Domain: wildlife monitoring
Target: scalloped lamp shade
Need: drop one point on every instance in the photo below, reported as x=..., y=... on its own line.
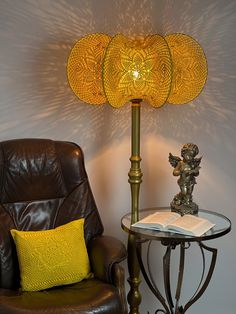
x=84, y=68
x=118, y=69
x=137, y=69
x=189, y=68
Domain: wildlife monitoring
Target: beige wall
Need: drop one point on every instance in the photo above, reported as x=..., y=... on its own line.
x=35, y=39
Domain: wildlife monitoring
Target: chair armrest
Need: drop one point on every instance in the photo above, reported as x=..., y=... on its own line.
x=104, y=252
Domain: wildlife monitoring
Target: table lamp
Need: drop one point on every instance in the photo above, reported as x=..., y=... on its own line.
x=117, y=70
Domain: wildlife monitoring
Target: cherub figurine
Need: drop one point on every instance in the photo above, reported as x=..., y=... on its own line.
x=187, y=169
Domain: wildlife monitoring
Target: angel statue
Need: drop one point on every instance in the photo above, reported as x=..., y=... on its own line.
x=187, y=169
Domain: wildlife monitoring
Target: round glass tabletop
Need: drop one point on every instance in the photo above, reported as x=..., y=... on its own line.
x=222, y=226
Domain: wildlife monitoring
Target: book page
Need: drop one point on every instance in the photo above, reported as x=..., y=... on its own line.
x=157, y=220
x=190, y=224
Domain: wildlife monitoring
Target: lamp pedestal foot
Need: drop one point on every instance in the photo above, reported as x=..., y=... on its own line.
x=134, y=296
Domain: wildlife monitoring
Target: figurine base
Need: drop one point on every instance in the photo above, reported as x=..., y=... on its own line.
x=184, y=209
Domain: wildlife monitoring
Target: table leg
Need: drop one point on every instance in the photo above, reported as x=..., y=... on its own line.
x=168, y=305
x=203, y=283
x=151, y=284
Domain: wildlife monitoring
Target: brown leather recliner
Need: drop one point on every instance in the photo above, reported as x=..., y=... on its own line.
x=43, y=184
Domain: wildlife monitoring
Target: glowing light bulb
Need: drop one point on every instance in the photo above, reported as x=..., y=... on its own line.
x=135, y=74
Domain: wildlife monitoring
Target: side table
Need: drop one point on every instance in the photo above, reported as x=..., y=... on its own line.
x=172, y=241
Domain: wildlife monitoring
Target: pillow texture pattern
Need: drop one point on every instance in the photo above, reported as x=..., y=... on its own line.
x=52, y=257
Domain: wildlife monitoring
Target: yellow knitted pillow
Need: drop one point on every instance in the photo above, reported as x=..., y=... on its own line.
x=52, y=257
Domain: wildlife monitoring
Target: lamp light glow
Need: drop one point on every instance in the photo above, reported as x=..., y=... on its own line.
x=135, y=74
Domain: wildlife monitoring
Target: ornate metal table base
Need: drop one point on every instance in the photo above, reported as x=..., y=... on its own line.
x=172, y=241
x=170, y=306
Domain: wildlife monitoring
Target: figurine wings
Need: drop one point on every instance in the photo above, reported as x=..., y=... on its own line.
x=173, y=160
x=196, y=162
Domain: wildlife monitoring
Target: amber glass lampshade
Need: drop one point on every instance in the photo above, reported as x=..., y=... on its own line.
x=156, y=69
x=137, y=69
x=189, y=68
x=84, y=68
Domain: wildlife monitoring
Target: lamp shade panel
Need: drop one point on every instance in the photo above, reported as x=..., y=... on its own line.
x=189, y=68
x=84, y=68
x=137, y=69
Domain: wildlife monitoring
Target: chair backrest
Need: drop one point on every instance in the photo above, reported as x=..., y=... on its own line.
x=43, y=184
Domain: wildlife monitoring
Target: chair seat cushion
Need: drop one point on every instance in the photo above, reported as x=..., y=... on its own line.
x=52, y=257
x=86, y=297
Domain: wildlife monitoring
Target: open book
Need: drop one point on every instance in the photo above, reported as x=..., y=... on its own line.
x=173, y=222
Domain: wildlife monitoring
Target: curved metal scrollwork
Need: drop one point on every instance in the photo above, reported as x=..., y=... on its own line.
x=157, y=311
x=203, y=285
x=150, y=284
x=169, y=306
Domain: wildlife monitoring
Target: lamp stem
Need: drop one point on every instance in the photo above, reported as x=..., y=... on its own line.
x=135, y=174
x=135, y=179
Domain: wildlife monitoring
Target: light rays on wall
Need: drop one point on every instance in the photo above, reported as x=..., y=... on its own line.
x=36, y=38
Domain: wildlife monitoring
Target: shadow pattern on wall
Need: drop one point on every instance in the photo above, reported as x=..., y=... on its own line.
x=36, y=38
